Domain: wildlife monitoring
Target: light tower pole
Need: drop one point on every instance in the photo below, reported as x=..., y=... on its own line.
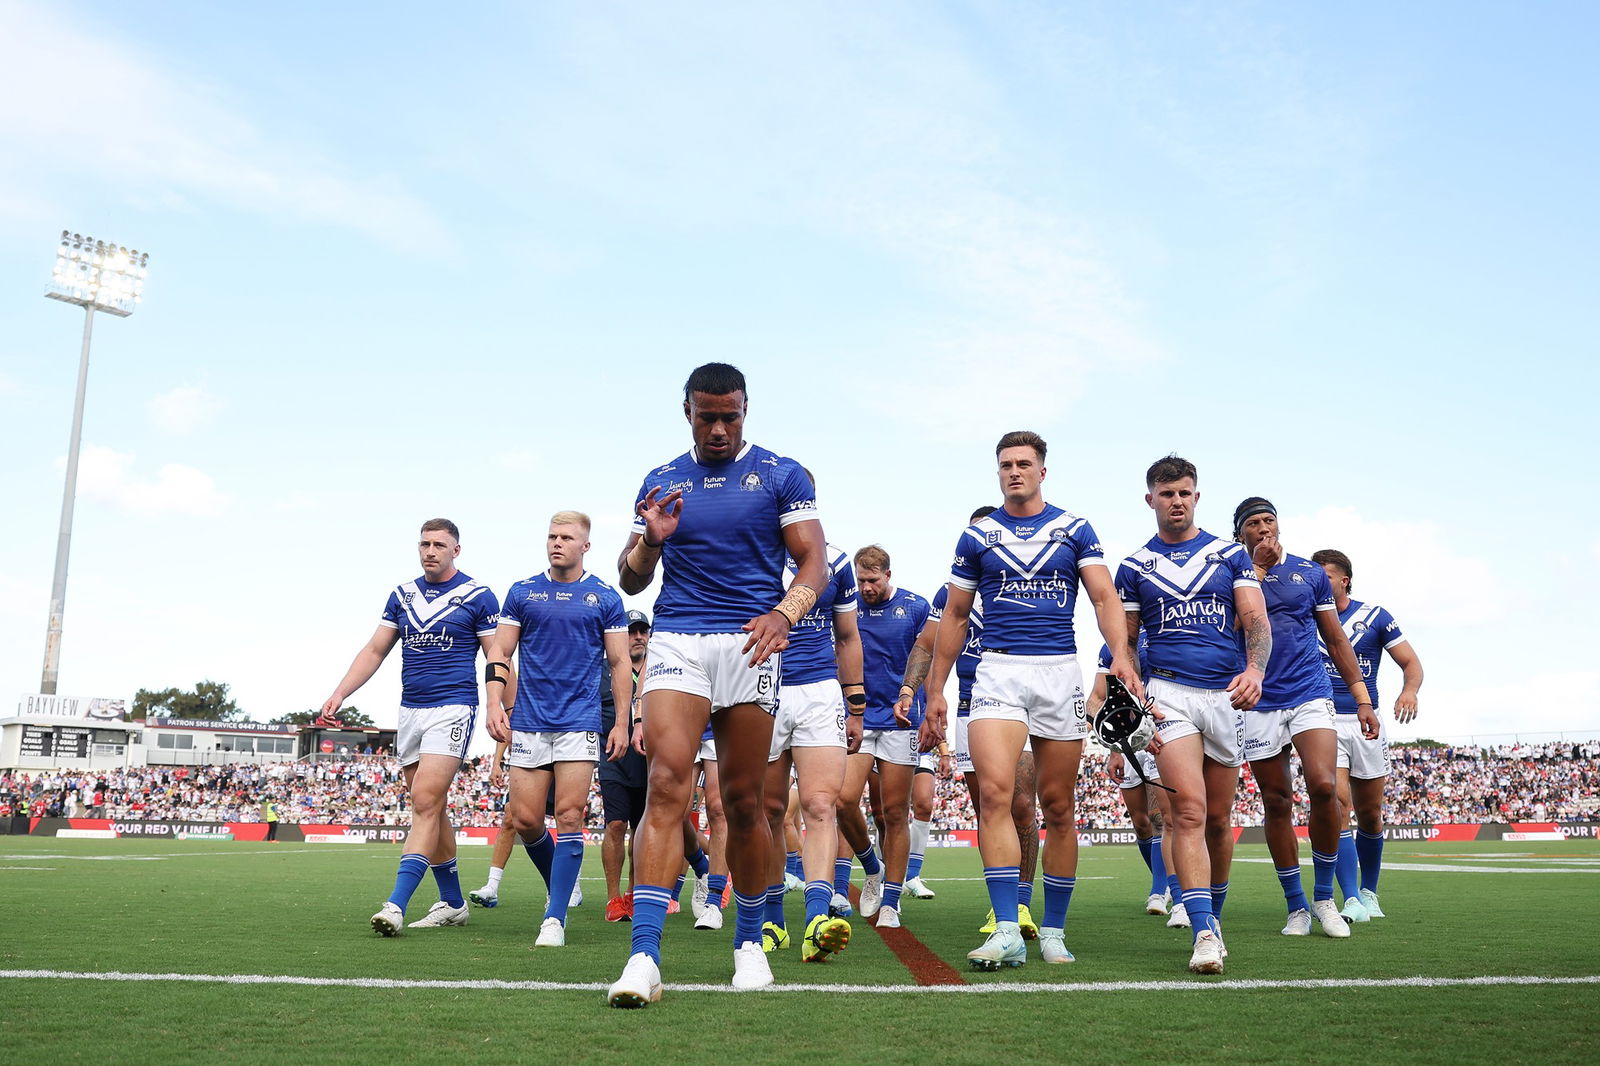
x=97, y=276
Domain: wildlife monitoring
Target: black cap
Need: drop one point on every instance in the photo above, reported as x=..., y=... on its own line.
x=1249, y=508
x=638, y=618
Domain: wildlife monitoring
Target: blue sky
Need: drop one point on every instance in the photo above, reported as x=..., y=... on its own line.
x=404, y=266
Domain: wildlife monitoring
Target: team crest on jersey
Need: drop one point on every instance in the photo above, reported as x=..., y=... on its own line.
x=750, y=482
x=899, y=612
x=1214, y=557
x=1359, y=628
x=1059, y=535
x=456, y=601
x=1297, y=579
x=591, y=600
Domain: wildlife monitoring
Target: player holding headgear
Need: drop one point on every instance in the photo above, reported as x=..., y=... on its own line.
x=820, y=707
x=1026, y=560
x=1195, y=596
x=1363, y=763
x=440, y=620
x=718, y=520
x=561, y=624
x=1296, y=706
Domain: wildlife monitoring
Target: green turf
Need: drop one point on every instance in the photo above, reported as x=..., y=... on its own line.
x=295, y=909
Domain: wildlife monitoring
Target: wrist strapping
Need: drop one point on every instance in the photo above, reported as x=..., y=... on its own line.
x=797, y=603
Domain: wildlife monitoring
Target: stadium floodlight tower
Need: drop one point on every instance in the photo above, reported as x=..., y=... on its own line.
x=97, y=276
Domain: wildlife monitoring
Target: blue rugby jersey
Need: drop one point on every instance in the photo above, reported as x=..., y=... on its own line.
x=1184, y=596
x=1295, y=590
x=724, y=564
x=1026, y=570
x=1102, y=662
x=810, y=656
x=888, y=632
x=440, y=625
x=971, y=651
x=1372, y=631
x=560, y=650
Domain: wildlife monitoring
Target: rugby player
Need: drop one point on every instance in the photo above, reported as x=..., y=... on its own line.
x=622, y=781
x=561, y=625
x=1363, y=764
x=1025, y=797
x=1296, y=706
x=820, y=705
x=440, y=619
x=717, y=520
x=1026, y=560
x=890, y=619
x=1194, y=596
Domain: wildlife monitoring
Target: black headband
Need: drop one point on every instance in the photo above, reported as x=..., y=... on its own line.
x=1249, y=509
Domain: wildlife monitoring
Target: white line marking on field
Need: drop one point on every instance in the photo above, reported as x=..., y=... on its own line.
x=1444, y=868
x=983, y=989
x=27, y=867
x=170, y=855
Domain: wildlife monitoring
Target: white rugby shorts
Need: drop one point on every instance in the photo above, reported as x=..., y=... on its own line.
x=1044, y=692
x=1267, y=732
x=534, y=751
x=809, y=716
x=434, y=731
x=1147, y=762
x=713, y=666
x=896, y=746
x=708, y=750
x=958, y=739
x=1365, y=759
x=1206, y=711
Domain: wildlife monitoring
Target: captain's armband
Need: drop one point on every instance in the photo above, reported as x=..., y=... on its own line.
x=797, y=603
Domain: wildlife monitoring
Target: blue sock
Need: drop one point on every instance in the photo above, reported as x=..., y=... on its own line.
x=1345, y=869
x=1369, y=849
x=449, y=882
x=564, y=873
x=819, y=894
x=1322, y=867
x=413, y=868
x=792, y=864
x=677, y=890
x=543, y=853
x=1293, y=894
x=1024, y=893
x=774, y=911
x=1158, y=867
x=1219, y=896
x=1174, y=889
x=841, y=877
x=869, y=862
x=1057, y=898
x=891, y=893
x=913, y=865
x=700, y=862
x=649, y=915
x=1003, y=882
x=748, y=911
x=716, y=885
x=1197, y=901
x=1146, y=846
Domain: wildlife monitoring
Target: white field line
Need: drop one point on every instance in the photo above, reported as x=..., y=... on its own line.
x=1446, y=868
x=170, y=855
x=983, y=989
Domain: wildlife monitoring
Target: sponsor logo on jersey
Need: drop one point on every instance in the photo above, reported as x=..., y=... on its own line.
x=712, y=482
x=539, y=596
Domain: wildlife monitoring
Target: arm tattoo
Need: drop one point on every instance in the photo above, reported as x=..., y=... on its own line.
x=1258, y=643
x=917, y=666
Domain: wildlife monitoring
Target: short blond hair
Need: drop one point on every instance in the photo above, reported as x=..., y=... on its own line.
x=570, y=518
x=872, y=557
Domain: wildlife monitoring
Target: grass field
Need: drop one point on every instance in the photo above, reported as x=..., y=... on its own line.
x=1396, y=991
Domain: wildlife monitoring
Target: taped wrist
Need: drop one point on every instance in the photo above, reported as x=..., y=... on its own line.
x=797, y=603
x=855, y=696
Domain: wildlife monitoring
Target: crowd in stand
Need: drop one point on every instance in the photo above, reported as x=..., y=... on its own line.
x=1555, y=782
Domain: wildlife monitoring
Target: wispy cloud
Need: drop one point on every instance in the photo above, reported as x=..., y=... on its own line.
x=163, y=136
x=184, y=409
x=111, y=477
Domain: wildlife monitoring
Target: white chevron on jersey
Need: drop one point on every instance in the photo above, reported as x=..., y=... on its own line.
x=425, y=613
x=1183, y=580
x=1027, y=556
